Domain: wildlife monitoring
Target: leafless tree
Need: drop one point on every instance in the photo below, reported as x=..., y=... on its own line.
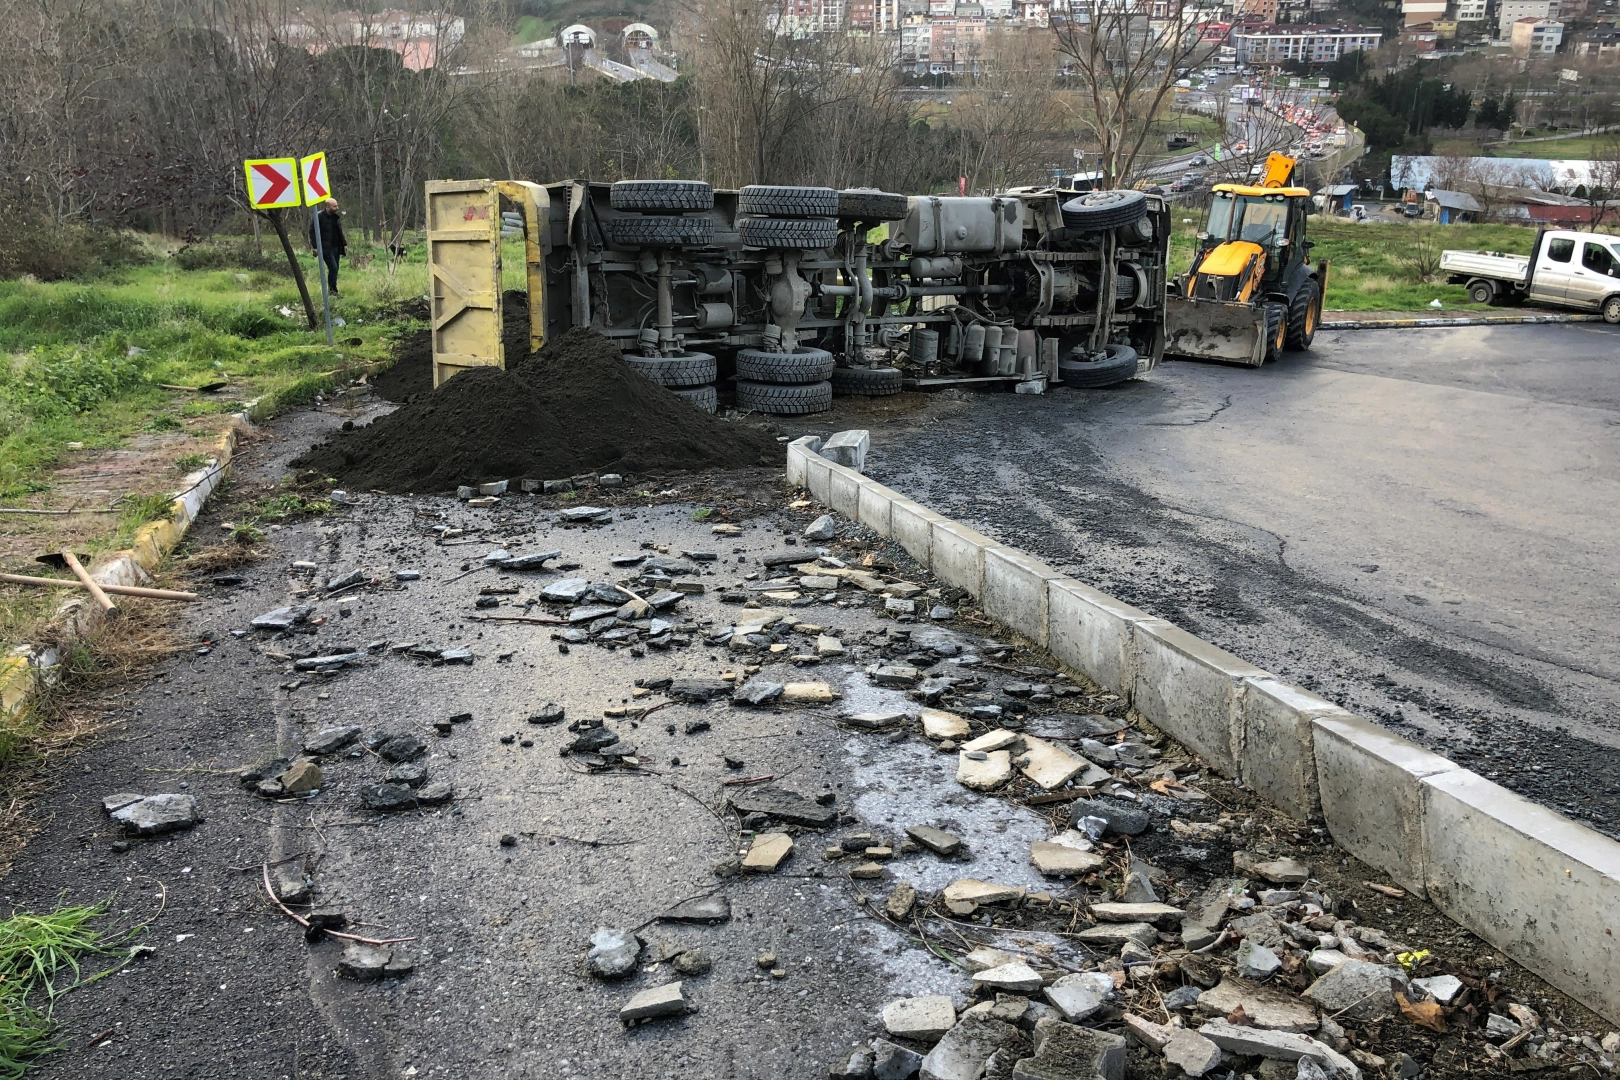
x=1126, y=64
x=1006, y=110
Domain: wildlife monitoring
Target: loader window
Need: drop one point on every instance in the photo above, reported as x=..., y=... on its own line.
x=1260, y=220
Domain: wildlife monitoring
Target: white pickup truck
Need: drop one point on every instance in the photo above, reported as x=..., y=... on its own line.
x=1568, y=269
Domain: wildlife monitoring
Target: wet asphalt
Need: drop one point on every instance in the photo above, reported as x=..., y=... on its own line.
x=1419, y=525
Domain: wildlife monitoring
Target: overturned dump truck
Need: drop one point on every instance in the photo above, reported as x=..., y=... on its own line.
x=787, y=296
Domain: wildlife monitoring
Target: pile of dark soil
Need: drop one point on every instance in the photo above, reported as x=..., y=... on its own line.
x=571, y=408
x=412, y=371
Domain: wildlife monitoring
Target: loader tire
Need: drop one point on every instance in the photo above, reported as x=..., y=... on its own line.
x=784, y=400
x=1302, y=317
x=1276, y=330
x=802, y=365
x=771, y=200
x=693, y=369
x=662, y=196
x=701, y=396
x=809, y=233
x=1097, y=211
x=870, y=204
x=1114, y=364
x=659, y=230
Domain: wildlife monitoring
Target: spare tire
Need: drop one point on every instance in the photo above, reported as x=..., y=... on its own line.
x=1096, y=211
x=1114, y=364
x=701, y=396
x=662, y=195
x=693, y=369
x=809, y=233
x=770, y=200
x=870, y=204
x=661, y=230
x=802, y=365
x=784, y=400
x=865, y=381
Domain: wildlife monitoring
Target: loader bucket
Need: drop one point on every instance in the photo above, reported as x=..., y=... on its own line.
x=1214, y=330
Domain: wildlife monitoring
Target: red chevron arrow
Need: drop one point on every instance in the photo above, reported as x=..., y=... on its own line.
x=279, y=183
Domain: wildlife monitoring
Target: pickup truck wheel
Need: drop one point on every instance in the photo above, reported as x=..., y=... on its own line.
x=1482, y=292
x=1611, y=310
x=1302, y=317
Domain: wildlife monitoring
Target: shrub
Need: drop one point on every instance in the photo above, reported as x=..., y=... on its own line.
x=54, y=252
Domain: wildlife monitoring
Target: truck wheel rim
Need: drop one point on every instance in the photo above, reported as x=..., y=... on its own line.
x=1310, y=320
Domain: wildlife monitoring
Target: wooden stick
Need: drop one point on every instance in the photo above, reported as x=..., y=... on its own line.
x=101, y=598
x=120, y=590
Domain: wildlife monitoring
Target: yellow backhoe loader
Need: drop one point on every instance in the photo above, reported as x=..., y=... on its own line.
x=1252, y=290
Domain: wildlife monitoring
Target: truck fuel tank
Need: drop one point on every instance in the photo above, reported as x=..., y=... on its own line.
x=940, y=225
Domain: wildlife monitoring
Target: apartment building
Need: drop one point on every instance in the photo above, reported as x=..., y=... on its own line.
x=1536, y=37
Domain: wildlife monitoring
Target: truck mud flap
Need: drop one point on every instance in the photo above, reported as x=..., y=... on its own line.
x=1214, y=330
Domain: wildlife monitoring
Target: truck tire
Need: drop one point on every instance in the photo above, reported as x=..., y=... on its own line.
x=784, y=400
x=1302, y=317
x=1481, y=291
x=1611, y=310
x=1114, y=364
x=870, y=204
x=1276, y=330
x=771, y=200
x=659, y=230
x=1097, y=211
x=802, y=365
x=693, y=369
x=809, y=233
x=662, y=196
x=701, y=396
x=865, y=381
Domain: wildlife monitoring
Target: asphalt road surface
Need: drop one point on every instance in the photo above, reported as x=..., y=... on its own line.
x=1420, y=525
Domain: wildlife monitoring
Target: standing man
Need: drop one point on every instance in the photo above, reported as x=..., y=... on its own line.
x=333, y=244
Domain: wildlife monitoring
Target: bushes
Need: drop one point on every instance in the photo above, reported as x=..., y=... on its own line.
x=62, y=380
x=233, y=254
x=55, y=252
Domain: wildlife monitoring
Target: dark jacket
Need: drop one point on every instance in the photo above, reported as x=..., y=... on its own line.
x=333, y=242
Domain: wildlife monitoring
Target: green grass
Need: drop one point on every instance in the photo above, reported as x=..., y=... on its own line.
x=82, y=360
x=39, y=962
x=1575, y=146
x=1373, y=267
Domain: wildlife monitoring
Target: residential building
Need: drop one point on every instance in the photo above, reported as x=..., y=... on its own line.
x=1509, y=12
x=1275, y=43
x=1260, y=10
x=1420, y=37
x=1536, y=37
x=1422, y=11
x=418, y=37
x=1473, y=10
x=1601, y=42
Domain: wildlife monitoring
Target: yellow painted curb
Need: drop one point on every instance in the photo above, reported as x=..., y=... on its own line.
x=20, y=681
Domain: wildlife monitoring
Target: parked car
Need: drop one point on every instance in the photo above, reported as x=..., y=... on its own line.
x=1565, y=268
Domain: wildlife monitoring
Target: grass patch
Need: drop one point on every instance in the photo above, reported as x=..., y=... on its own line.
x=85, y=360
x=1374, y=267
x=290, y=505
x=39, y=962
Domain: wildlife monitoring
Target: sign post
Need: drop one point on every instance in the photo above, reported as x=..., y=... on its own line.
x=316, y=191
x=272, y=184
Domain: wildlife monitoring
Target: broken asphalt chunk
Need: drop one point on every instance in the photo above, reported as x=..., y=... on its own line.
x=667, y=1000
x=697, y=691
x=757, y=692
x=401, y=748
x=387, y=797
x=705, y=909
x=925, y=1019
x=157, y=814
x=566, y=591
x=329, y=741
x=767, y=853
x=284, y=618
x=531, y=561
x=784, y=805
x=938, y=841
